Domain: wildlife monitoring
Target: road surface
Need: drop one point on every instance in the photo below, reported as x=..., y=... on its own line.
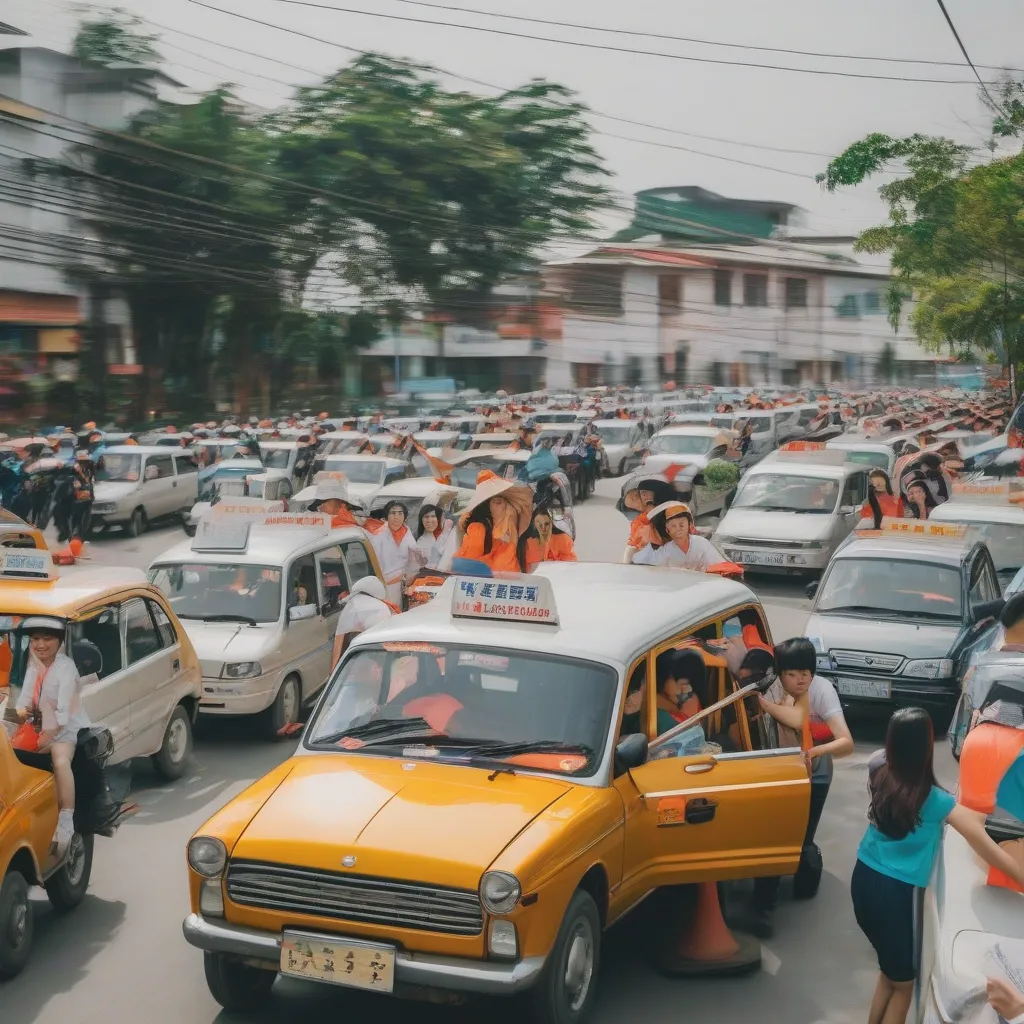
x=120, y=957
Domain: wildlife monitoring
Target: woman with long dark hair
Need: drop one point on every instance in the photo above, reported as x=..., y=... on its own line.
x=881, y=503
x=896, y=855
x=544, y=542
x=920, y=502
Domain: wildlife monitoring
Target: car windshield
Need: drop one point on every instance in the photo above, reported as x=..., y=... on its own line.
x=680, y=444
x=358, y=471
x=223, y=592
x=758, y=424
x=526, y=709
x=412, y=504
x=877, y=460
x=277, y=458
x=781, y=492
x=1005, y=543
x=614, y=435
x=877, y=585
x=223, y=485
x=465, y=474
x=115, y=468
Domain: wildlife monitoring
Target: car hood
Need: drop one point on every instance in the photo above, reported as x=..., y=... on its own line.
x=970, y=919
x=748, y=524
x=114, y=490
x=229, y=641
x=399, y=819
x=903, y=636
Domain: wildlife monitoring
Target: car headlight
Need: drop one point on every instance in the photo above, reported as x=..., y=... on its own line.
x=720, y=538
x=207, y=856
x=242, y=670
x=499, y=892
x=929, y=668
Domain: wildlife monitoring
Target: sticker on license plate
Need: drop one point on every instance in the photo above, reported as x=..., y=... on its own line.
x=338, y=961
x=864, y=688
x=761, y=558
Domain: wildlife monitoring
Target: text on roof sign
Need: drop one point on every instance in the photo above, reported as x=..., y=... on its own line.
x=505, y=600
x=21, y=563
x=924, y=528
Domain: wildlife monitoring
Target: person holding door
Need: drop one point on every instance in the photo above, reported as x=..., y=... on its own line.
x=51, y=700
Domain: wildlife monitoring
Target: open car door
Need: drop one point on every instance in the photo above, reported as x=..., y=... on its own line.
x=696, y=813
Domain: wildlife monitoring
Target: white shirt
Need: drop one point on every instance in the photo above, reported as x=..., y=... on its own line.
x=60, y=698
x=361, y=612
x=700, y=555
x=825, y=704
x=393, y=557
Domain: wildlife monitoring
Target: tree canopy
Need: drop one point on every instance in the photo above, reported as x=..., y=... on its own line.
x=378, y=184
x=113, y=36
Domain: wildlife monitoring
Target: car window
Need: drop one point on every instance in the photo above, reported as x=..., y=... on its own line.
x=302, y=583
x=855, y=491
x=98, y=638
x=334, y=586
x=184, y=465
x=357, y=560
x=984, y=585
x=158, y=467
x=140, y=634
x=164, y=626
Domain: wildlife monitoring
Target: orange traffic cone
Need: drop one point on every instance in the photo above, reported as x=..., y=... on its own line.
x=707, y=947
x=70, y=554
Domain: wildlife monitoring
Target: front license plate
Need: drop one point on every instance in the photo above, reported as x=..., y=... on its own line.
x=761, y=558
x=864, y=688
x=338, y=961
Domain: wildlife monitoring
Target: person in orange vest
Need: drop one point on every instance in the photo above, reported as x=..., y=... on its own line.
x=544, y=542
x=497, y=516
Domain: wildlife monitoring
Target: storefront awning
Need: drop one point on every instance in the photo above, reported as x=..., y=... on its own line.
x=33, y=309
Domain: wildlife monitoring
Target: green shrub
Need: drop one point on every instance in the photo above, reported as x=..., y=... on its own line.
x=721, y=475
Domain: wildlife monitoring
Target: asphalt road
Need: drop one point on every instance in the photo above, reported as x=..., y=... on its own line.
x=120, y=958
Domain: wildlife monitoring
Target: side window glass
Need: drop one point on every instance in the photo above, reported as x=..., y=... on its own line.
x=185, y=465
x=634, y=713
x=855, y=491
x=164, y=627
x=159, y=467
x=302, y=585
x=96, y=643
x=333, y=580
x=140, y=635
x=357, y=560
x=984, y=587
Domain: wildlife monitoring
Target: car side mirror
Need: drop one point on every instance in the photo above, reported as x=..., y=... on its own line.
x=301, y=611
x=811, y=589
x=631, y=752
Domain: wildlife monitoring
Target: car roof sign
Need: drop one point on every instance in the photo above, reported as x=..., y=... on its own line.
x=27, y=564
x=986, y=491
x=221, y=533
x=511, y=598
x=919, y=529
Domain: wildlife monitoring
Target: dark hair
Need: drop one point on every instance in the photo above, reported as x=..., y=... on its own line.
x=1013, y=611
x=530, y=533
x=482, y=515
x=900, y=786
x=796, y=655
x=758, y=660
x=681, y=665
x=876, y=508
x=393, y=504
x=929, y=498
x=424, y=509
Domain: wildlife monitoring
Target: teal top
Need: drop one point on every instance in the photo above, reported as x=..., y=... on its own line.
x=909, y=859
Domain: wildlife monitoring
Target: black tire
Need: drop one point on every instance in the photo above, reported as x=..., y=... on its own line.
x=285, y=710
x=66, y=888
x=15, y=924
x=808, y=874
x=552, y=1000
x=190, y=530
x=171, y=760
x=137, y=523
x=238, y=987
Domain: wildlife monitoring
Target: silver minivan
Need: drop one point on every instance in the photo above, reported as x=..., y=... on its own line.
x=259, y=597
x=137, y=485
x=792, y=510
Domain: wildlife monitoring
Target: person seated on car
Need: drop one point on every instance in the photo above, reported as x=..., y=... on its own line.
x=681, y=676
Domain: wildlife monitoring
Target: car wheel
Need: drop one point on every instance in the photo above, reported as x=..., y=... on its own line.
x=66, y=887
x=237, y=986
x=15, y=924
x=171, y=759
x=137, y=523
x=286, y=708
x=567, y=987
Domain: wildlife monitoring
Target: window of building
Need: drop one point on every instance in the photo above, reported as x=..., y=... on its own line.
x=872, y=302
x=723, y=287
x=755, y=289
x=796, y=293
x=670, y=293
x=597, y=290
x=848, y=306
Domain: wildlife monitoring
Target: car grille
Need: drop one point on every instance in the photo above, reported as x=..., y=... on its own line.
x=865, y=661
x=103, y=507
x=759, y=543
x=354, y=898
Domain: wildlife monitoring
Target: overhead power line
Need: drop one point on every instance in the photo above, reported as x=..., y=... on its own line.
x=963, y=50
x=604, y=47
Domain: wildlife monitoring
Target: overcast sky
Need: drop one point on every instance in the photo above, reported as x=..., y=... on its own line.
x=752, y=112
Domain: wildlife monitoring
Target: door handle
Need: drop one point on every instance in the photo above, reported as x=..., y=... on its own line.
x=700, y=768
x=176, y=664
x=700, y=811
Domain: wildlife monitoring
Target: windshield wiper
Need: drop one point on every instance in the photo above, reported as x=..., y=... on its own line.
x=223, y=618
x=531, y=747
x=388, y=730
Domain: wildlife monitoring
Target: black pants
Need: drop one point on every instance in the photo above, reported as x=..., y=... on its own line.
x=766, y=890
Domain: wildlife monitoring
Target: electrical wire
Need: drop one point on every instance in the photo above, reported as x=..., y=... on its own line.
x=963, y=50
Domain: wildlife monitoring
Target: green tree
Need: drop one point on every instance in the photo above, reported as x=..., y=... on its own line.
x=108, y=36
x=955, y=235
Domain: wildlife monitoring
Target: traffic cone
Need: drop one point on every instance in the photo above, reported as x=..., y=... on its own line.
x=707, y=948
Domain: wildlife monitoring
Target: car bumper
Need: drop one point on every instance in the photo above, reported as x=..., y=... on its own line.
x=105, y=513
x=938, y=696
x=237, y=697
x=412, y=969
x=777, y=560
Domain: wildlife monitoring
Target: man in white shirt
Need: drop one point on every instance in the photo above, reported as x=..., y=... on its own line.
x=365, y=607
x=684, y=548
